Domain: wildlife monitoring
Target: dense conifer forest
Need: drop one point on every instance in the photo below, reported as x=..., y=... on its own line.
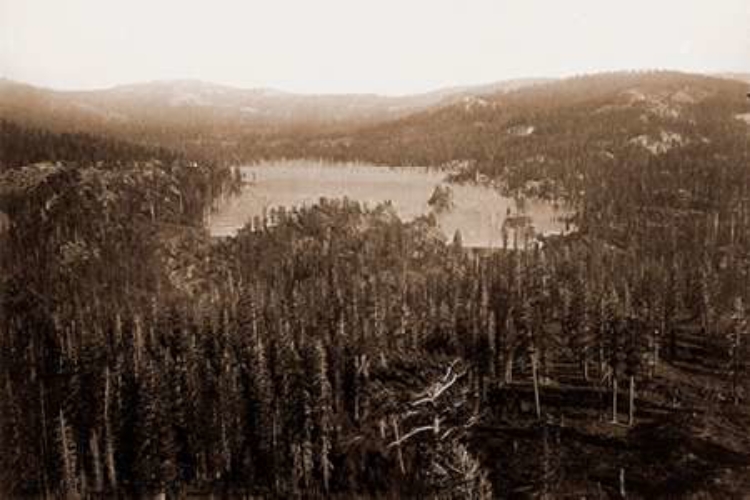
x=335, y=350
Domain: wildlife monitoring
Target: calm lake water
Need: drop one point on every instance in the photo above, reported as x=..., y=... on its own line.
x=479, y=212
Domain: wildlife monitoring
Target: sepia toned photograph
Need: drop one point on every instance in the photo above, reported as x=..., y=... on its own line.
x=349, y=249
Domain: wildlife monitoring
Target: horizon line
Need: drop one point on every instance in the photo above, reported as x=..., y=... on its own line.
x=434, y=89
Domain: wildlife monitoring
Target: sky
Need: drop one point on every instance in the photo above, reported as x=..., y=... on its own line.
x=375, y=46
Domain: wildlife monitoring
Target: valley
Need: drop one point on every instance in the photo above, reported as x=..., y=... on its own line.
x=536, y=289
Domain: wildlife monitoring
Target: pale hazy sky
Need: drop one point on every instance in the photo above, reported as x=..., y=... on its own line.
x=385, y=46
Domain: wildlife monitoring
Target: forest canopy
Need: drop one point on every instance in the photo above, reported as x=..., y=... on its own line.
x=334, y=349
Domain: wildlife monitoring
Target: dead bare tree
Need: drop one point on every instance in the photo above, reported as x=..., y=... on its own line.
x=443, y=417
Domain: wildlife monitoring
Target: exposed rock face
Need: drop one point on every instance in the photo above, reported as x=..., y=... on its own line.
x=522, y=130
x=666, y=141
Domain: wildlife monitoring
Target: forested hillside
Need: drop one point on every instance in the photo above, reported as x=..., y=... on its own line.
x=342, y=351
x=82, y=234
x=644, y=157
x=562, y=120
x=216, y=122
x=23, y=146
x=336, y=350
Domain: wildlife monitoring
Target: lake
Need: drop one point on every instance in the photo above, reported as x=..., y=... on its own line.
x=480, y=212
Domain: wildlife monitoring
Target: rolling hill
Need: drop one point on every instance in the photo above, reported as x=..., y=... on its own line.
x=605, y=108
x=190, y=111
x=651, y=159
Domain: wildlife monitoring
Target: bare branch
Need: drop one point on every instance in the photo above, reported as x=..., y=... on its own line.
x=410, y=434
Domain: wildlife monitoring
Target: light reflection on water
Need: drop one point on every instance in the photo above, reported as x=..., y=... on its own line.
x=478, y=211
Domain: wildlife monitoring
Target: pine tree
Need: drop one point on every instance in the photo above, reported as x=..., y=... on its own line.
x=110, y=426
x=262, y=402
x=324, y=416
x=156, y=454
x=68, y=458
x=737, y=347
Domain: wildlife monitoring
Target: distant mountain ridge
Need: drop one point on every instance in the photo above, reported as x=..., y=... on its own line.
x=194, y=102
x=535, y=134
x=742, y=77
x=456, y=123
